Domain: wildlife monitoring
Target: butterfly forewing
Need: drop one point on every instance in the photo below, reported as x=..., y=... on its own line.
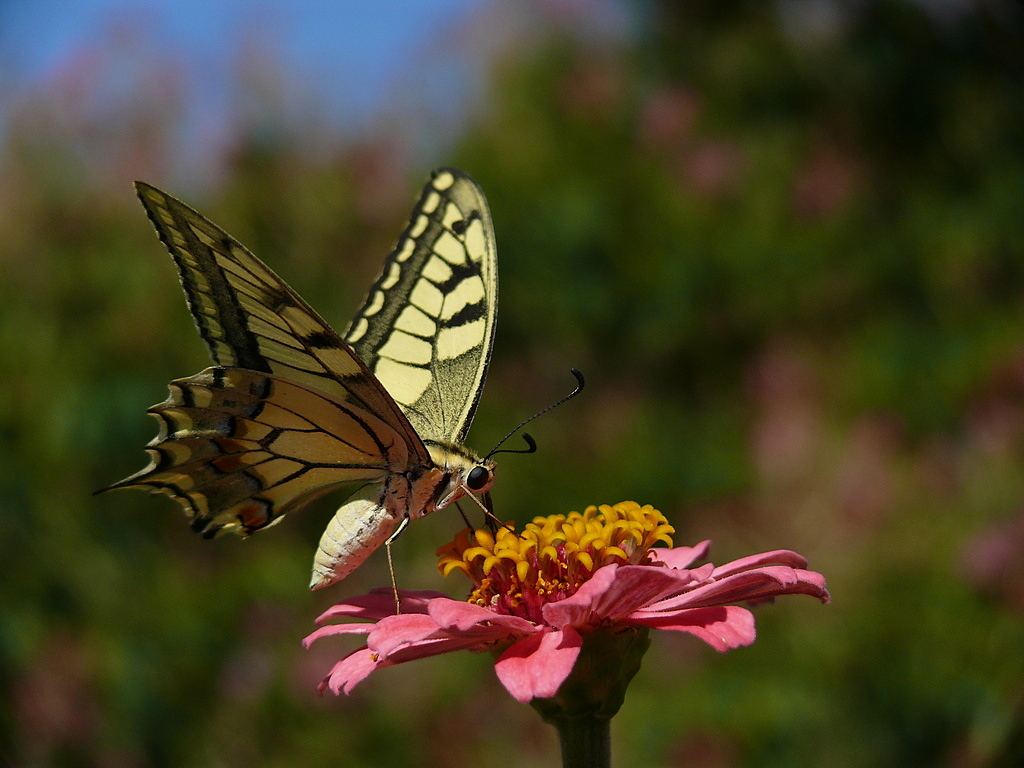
x=427, y=326
x=250, y=318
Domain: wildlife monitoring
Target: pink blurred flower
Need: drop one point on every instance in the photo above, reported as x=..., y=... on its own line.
x=539, y=594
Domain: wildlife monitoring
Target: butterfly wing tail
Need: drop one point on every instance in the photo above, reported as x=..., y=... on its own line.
x=232, y=450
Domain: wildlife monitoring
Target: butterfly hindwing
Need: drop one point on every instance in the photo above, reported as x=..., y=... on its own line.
x=239, y=448
x=427, y=326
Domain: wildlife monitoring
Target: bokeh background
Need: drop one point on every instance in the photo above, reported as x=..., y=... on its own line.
x=784, y=240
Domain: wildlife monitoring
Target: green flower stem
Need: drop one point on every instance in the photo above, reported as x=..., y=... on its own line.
x=586, y=741
x=583, y=708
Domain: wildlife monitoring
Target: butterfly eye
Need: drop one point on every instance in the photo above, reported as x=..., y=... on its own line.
x=478, y=478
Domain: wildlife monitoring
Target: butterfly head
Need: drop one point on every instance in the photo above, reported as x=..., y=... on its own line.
x=463, y=473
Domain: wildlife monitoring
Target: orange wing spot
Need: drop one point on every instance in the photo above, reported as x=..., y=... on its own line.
x=232, y=462
x=253, y=515
x=235, y=445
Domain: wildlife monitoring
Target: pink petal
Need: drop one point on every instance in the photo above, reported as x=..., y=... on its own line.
x=436, y=646
x=351, y=671
x=722, y=628
x=409, y=636
x=613, y=592
x=538, y=664
x=379, y=603
x=459, y=616
x=358, y=665
x=681, y=557
x=363, y=628
x=761, y=584
x=776, y=557
x=578, y=609
x=395, y=631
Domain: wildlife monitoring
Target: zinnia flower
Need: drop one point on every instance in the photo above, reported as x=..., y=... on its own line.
x=540, y=595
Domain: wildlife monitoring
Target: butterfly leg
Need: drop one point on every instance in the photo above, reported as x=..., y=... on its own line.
x=391, y=563
x=492, y=521
x=463, y=516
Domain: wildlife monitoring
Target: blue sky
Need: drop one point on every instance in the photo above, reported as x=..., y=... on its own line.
x=343, y=62
x=361, y=45
x=354, y=67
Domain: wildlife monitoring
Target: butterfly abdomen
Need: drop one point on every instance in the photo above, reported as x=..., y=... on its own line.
x=356, y=530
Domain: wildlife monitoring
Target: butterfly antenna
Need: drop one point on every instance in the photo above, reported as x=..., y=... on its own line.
x=580, y=383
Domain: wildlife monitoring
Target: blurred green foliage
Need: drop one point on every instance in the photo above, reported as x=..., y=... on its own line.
x=783, y=240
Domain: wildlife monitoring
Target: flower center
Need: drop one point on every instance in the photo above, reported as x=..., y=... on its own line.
x=517, y=573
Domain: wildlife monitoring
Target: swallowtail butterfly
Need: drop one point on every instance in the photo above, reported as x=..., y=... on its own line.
x=290, y=409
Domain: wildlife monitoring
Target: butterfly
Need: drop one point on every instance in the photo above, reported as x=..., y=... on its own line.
x=291, y=410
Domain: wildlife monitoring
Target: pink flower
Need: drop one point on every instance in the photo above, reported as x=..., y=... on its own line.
x=539, y=594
